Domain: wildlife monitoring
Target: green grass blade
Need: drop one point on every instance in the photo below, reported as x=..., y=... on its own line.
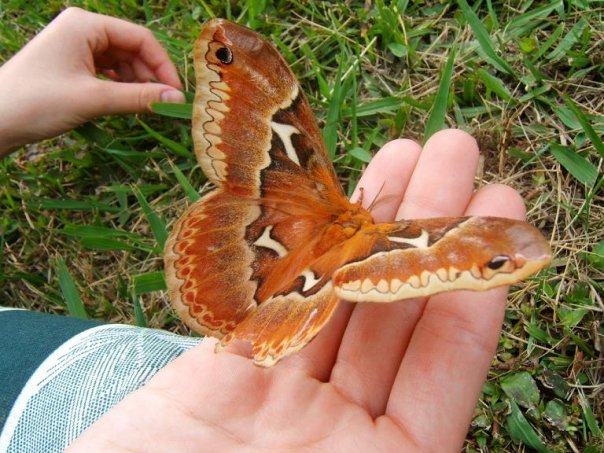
x=330, y=130
x=157, y=224
x=533, y=16
x=94, y=134
x=133, y=155
x=536, y=93
x=521, y=430
x=495, y=84
x=184, y=111
x=104, y=238
x=176, y=147
x=568, y=41
x=74, y=205
x=361, y=154
x=145, y=189
x=255, y=8
x=589, y=417
x=436, y=120
x=583, y=170
x=75, y=306
x=484, y=39
x=185, y=184
x=386, y=105
x=93, y=231
x=139, y=314
x=548, y=43
x=149, y=282
x=566, y=115
x=587, y=128
x=103, y=243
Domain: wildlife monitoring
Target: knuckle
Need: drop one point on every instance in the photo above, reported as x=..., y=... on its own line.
x=146, y=35
x=145, y=97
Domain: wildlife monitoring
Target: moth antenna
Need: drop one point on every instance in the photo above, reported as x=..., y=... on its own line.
x=377, y=200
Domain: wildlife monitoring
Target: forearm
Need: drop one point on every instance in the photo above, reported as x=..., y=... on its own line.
x=32, y=106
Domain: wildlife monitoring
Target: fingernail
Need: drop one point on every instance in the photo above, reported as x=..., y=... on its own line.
x=172, y=96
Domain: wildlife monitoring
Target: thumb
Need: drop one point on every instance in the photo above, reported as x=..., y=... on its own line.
x=121, y=97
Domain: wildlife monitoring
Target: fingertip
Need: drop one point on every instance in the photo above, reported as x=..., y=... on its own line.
x=71, y=14
x=173, y=96
x=455, y=139
x=497, y=200
x=167, y=73
x=140, y=42
x=394, y=148
x=444, y=176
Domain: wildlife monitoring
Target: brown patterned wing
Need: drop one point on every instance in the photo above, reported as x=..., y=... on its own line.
x=418, y=258
x=208, y=265
x=252, y=125
x=240, y=256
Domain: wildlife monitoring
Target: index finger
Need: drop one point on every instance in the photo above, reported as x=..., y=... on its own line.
x=114, y=34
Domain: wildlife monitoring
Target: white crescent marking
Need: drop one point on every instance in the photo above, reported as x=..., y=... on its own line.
x=285, y=131
x=310, y=280
x=420, y=242
x=266, y=241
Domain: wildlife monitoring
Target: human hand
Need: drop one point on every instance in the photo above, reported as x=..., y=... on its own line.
x=379, y=377
x=51, y=85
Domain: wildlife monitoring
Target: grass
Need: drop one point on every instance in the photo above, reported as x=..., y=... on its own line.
x=84, y=214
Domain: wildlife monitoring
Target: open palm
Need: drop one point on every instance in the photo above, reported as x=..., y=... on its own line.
x=392, y=377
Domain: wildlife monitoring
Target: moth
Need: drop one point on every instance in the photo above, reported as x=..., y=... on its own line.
x=268, y=254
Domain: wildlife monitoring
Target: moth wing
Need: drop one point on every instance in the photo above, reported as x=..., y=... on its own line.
x=208, y=266
x=257, y=140
x=419, y=258
x=252, y=125
x=284, y=324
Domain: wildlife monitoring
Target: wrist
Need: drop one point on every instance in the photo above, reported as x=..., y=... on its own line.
x=9, y=141
x=13, y=112
x=24, y=110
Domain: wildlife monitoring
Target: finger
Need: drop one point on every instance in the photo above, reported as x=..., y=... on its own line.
x=442, y=183
x=141, y=42
x=387, y=175
x=386, y=178
x=119, y=37
x=142, y=72
x=451, y=349
x=120, y=97
x=377, y=335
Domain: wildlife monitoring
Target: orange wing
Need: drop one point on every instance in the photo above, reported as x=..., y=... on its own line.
x=265, y=257
x=241, y=252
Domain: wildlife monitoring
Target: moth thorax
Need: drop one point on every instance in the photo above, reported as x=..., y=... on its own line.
x=353, y=220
